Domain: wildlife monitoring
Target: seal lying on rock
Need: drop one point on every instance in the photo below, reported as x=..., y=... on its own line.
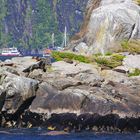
x=40, y=65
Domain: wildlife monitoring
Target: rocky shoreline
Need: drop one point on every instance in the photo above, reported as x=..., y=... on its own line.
x=67, y=96
x=70, y=122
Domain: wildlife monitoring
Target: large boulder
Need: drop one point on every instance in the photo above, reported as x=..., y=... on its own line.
x=110, y=23
x=132, y=62
x=17, y=92
x=73, y=69
x=110, y=75
x=111, y=98
x=63, y=75
x=50, y=100
x=82, y=89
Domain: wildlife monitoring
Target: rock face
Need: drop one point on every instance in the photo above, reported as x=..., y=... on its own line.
x=82, y=88
x=132, y=62
x=16, y=91
x=109, y=23
x=68, y=96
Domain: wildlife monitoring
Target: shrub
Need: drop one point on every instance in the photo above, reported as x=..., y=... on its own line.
x=118, y=57
x=109, y=61
x=59, y=56
x=135, y=73
x=132, y=46
x=97, y=54
x=108, y=53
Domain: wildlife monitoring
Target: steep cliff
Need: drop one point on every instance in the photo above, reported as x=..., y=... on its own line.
x=30, y=23
x=107, y=23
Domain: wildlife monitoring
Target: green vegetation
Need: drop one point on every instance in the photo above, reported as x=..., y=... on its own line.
x=138, y=1
x=71, y=56
x=111, y=61
x=45, y=25
x=3, y=12
x=33, y=23
x=39, y=23
x=108, y=53
x=136, y=72
x=131, y=46
x=117, y=57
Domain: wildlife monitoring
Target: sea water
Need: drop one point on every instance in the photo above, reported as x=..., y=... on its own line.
x=3, y=58
x=42, y=134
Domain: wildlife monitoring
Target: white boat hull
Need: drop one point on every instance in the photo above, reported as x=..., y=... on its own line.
x=10, y=52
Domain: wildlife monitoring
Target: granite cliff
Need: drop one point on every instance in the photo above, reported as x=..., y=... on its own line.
x=107, y=23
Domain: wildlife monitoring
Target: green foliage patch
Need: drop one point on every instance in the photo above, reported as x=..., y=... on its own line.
x=58, y=56
x=44, y=24
x=136, y=72
x=132, y=46
x=111, y=61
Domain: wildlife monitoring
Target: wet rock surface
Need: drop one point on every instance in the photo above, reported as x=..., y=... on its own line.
x=68, y=96
x=132, y=62
x=70, y=122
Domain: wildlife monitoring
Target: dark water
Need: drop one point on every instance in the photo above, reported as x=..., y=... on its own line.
x=35, y=134
x=3, y=58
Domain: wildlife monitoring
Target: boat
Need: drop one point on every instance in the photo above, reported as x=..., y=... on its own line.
x=47, y=53
x=10, y=52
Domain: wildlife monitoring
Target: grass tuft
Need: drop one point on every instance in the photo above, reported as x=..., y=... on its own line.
x=110, y=60
x=136, y=72
x=59, y=56
x=133, y=47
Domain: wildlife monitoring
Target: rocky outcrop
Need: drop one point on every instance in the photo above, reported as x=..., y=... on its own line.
x=15, y=92
x=109, y=23
x=70, y=89
x=132, y=62
x=69, y=96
